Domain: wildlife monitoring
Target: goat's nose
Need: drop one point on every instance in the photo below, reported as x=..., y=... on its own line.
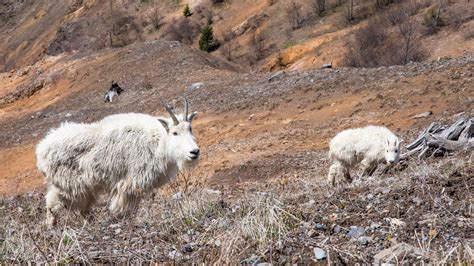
x=391, y=161
x=195, y=152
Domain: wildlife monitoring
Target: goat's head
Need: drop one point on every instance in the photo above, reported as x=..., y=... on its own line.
x=181, y=143
x=392, y=151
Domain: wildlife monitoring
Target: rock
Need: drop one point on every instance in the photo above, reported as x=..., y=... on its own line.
x=422, y=115
x=276, y=75
x=177, y=196
x=393, y=254
x=319, y=254
x=213, y=192
x=114, y=226
x=321, y=227
x=118, y=231
x=396, y=222
x=364, y=240
x=196, y=86
x=337, y=229
x=327, y=65
x=187, y=248
x=174, y=254
x=374, y=226
x=356, y=232
x=417, y=201
x=68, y=115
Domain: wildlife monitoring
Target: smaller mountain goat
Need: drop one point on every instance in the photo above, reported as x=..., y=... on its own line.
x=367, y=146
x=127, y=155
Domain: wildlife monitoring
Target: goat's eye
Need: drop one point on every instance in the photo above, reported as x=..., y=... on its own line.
x=396, y=150
x=175, y=133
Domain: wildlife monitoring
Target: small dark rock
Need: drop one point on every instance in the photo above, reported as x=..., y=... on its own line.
x=321, y=227
x=187, y=248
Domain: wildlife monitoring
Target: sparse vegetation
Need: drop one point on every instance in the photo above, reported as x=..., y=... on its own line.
x=156, y=19
x=182, y=30
x=187, y=11
x=432, y=18
x=276, y=223
x=294, y=13
x=375, y=45
x=206, y=40
x=319, y=6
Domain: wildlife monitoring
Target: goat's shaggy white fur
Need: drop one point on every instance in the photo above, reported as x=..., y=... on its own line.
x=125, y=154
x=367, y=146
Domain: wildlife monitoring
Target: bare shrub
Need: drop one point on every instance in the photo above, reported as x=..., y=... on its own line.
x=399, y=13
x=182, y=30
x=257, y=45
x=227, y=46
x=395, y=15
x=409, y=48
x=203, y=11
x=374, y=45
x=125, y=30
x=432, y=18
x=295, y=15
x=350, y=10
x=319, y=6
x=146, y=82
x=156, y=19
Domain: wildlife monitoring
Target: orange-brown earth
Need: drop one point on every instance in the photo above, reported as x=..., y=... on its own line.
x=246, y=120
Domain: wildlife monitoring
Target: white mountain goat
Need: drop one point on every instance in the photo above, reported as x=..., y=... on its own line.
x=127, y=155
x=367, y=146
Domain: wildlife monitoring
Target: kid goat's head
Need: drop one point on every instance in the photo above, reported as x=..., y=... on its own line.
x=392, y=151
x=181, y=143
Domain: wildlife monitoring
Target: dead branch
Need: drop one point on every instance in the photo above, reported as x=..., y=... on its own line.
x=438, y=139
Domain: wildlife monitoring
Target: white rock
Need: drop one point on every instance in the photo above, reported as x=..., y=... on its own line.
x=196, y=86
x=319, y=254
x=178, y=195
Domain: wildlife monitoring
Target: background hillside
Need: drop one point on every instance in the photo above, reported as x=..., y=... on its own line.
x=266, y=114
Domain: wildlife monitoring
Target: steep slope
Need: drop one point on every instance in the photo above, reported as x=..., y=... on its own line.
x=247, y=121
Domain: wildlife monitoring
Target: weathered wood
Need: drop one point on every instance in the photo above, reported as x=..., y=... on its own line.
x=468, y=131
x=453, y=132
x=435, y=141
x=406, y=155
x=421, y=137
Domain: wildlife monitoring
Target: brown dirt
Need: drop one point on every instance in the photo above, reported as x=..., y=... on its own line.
x=244, y=118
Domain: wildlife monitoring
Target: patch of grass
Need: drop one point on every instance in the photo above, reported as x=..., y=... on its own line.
x=288, y=44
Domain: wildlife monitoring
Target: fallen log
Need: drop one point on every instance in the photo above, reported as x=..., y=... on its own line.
x=438, y=139
x=435, y=141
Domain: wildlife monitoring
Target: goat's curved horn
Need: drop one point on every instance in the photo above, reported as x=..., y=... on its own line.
x=173, y=116
x=186, y=108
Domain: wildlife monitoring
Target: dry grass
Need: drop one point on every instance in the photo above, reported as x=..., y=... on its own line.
x=425, y=204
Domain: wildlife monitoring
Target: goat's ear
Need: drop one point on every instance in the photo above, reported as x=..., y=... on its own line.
x=191, y=116
x=165, y=124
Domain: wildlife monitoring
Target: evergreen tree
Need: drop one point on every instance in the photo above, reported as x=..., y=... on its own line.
x=206, y=39
x=186, y=11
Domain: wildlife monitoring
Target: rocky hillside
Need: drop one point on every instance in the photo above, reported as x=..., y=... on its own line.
x=266, y=114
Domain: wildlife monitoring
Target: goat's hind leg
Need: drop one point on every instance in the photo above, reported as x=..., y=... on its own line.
x=335, y=171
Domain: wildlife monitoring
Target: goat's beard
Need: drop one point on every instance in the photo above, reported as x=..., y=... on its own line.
x=187, y=164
